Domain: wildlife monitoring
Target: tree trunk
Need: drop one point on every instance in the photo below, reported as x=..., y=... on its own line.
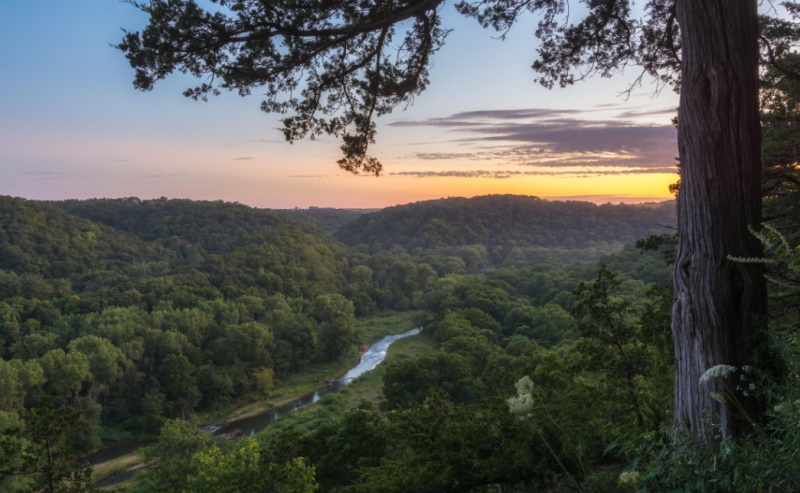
x=719, y=304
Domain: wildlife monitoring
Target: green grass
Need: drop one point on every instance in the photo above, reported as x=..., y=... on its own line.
x=378, y=326
x=409, y=347
x=116, y=465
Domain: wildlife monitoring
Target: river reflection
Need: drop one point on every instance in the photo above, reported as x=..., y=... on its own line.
x=369, y=360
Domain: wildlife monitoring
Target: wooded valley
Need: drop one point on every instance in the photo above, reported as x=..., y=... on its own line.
x=545, y=363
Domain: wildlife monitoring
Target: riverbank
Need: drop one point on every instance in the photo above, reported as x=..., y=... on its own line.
x=366, y=388
x=369, y=387
x=373, y=357
x=294, y=387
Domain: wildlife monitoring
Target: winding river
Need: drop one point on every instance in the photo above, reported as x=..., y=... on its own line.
x=371, y=358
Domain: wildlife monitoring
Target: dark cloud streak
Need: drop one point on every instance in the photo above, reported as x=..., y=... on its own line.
x=504, y=174
x=554, y=138
x=479, y=118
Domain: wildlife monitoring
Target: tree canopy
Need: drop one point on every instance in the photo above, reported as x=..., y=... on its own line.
x=501, y=223
x=338, y=65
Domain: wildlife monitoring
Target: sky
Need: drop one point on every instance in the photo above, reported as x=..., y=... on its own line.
x=73, y=126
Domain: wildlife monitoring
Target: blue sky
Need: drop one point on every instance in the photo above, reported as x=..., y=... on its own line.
x=72, y=126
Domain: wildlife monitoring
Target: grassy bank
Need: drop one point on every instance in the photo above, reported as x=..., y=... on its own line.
x=116, y=466
x=383, y=324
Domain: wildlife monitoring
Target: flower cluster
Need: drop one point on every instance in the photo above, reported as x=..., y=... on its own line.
x=628, y=477
x=522, y=404
x=718, y=372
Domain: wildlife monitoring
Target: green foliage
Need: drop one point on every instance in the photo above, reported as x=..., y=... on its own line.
x=216, y=227
x=18, y=381
x=35, y=455
x=38, y=239
x=613, y=343
x=617, y=376
x=131, y=330
x=177, y=379
x=342, y=447
x=243, y=469
x=766, y=460
x=548, y=325
x=65, y=373
x=782, y=256
x=411, y=380
x=489, y=229
x=178, y=442
x=337, y=331
x=441, y=446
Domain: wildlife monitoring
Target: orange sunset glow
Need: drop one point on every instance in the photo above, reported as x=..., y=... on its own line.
x=471, y=132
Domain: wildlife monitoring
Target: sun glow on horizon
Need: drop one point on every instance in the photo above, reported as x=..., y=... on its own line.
x=491, y=132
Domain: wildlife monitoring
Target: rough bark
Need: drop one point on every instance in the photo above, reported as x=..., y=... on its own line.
x=719, y=303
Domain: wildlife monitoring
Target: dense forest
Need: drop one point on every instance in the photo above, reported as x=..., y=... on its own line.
x=216, y=226
x=505, y=225
x=126, y=319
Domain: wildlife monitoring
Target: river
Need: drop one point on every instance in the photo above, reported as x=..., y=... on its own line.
x=371, y=358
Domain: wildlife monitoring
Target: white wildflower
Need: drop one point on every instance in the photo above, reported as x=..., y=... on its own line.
x=522, y=404
x=628, y=477
x=788, y=407
x=717, y=372
x=524, y=385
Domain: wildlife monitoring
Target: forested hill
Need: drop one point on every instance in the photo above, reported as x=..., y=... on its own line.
x=128, y=333
x=38, y=239
x=215, y=226
x=240, y=247
x=505, y=221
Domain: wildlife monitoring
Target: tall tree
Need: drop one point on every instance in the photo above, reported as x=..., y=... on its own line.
x=720, y=304
x=335, y=315
x=351, y=69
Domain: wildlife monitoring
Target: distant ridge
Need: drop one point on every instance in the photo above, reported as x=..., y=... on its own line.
x=504, y=222
x=216, y=226
x=37, y=238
